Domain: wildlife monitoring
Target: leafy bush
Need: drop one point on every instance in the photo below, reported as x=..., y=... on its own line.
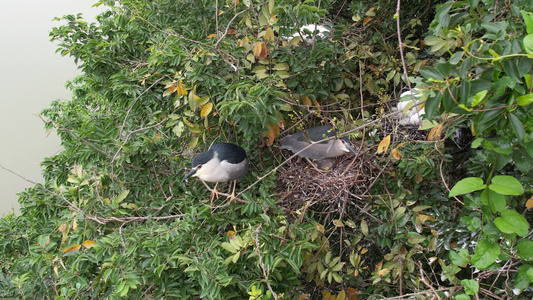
x=163, y=80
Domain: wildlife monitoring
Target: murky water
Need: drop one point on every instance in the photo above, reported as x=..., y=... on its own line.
x=31, y=76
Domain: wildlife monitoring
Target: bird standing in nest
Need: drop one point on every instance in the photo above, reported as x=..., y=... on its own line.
x=222, y=162
x=306, y=144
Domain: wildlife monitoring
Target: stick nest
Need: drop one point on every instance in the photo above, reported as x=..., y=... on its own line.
x=302, y=186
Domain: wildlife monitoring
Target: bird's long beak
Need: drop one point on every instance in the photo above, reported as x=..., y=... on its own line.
x=191, y=173
x=350, y=148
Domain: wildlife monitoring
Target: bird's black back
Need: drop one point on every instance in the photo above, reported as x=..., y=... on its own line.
x=226, y=151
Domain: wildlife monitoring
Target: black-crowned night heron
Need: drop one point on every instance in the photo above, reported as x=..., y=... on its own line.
x=303, y=144
x=223, y=162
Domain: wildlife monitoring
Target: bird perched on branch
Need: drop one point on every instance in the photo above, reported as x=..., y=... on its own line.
x=317, y=143
x=222, y=162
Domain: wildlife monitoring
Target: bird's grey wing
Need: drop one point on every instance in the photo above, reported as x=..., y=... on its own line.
x=316, y=133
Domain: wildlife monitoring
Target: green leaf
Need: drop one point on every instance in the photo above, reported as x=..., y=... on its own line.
x=229, y=247
x=122, y=196
x=467, y=185
x=478, y=97
x=530, y=274
x=525, y=249
x=528, y=43
x=506, y=185
x=485, y=255
x=471, y=286
x=432, y=105
x=476, y=143
x=525, y=100
x=337, y=267
x=459, y=257
x=431, y=73
x=517, y=127
x=528, y=19
x=462, y=297
x=512, y=222
x=495, y=200
x=456, y=57
x=523, y=280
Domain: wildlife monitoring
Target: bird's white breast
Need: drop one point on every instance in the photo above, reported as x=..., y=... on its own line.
x=221, y=171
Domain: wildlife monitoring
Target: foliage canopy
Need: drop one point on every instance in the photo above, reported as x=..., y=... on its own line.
x=164, y=79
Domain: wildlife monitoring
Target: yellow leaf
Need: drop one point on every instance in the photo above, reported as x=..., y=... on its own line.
x=305, y=100
x=181, y=89
x=364, y=227
x=257, y=49
x=529, y=203
x=201, y=101
x=326, y=295
x=315, y=103
x=396, y=154
x=421, y=219
x=435, y=133
x=384, y=144
x=273, y=19
x=158, y=136
x=338, y=223
x=212, y=35
x=294, y=41
x=383, y=272
x=206, y=110
x=74, y=224
x=367, y=19
x=269, y=34
x=89, y=244
x=341, y=295
x=62, y=227
x=73, y=248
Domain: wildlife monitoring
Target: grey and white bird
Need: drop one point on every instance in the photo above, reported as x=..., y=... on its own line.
x=305, y=143
x=222, y=162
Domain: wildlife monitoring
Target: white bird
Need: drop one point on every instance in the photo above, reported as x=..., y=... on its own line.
x=412, y=114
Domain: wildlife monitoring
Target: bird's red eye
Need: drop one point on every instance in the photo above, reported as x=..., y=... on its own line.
x=199, y=166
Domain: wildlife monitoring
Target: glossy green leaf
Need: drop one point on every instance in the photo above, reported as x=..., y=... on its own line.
x=431, y=73
x=511, y=221
x=506, y=185
x=528, y=43
x=496, y=201
x=485, y=255
x=471, y=286
x=528, y=19
x=229, y=247
x=525, y=249
x=467, y=185
x=478, y=98
x=524, y=100
x=518, y=128
x=459, y=257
